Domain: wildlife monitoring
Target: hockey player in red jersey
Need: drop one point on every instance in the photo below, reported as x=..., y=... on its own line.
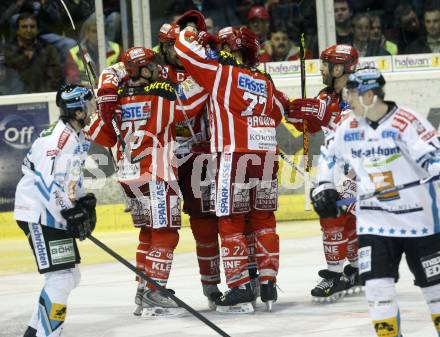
x=326, y=112
x=243, y=114
x=196, y=197
x=149, y=111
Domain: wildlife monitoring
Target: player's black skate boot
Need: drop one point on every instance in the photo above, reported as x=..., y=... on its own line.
x=269, y=294
x=236, y=300
x=155, y=303
x=138, y=299
x=212, y=293
x=255, y=284
x=331, y=288
x=354, y=285
x=30, y=332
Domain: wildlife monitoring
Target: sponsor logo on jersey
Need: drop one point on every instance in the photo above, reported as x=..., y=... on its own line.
x=159, y=204
x=58, y=312
x=354, y=124
x=390, y=134
x=258, y=121
x=429, y=135
x=132, y=111
x=223, y=196
x=253, y=85
x=375, y=151
x=399, y=124
x=412, y=120
x=39, y=245
x=351, y=136
x=431, y=266
x=63, y=138
x=52, y=153
x=62, y=251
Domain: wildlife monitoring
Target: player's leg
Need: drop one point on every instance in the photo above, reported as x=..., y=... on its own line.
x=141, y=216
x=196, y=203
x=379, y=259
x=351, y=270
x=267, y=253
x=333, y=283
x=423, y=260
x=252, y=261
x=166, y=220
x=57, y=258
x=239, y=297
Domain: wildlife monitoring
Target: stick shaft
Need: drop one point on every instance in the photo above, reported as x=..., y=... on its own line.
x=158, y=287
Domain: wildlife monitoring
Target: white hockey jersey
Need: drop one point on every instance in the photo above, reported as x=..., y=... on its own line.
x=400, y=148
x=52, y=176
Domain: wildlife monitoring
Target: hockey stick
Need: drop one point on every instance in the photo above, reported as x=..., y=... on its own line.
x=165, y=292
x=389, y=190
x=91, y=73
x=302, y=63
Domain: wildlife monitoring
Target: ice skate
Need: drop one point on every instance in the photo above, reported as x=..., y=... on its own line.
x=155, y=304
x=269, y=294
x=331, y=288
x=212, y=293
x=255, y=286
x=354, y=285
x=138, y=300
x=236, y=300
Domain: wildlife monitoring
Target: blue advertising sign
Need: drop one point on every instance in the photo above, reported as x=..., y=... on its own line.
x=20, y=125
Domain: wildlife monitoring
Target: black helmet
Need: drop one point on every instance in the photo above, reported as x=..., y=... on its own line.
x=72, y=97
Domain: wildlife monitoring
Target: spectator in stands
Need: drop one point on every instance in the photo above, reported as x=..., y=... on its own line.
x=361, y=37
x=408, y=28
x=259, y=22
x=112, y=20
x=210, y=27
x=377, y=38
x=431, y=42
x=10, y=83
x=279, y=47
x=343, y=15
x=75, y=71
x=37, y=62
x=49, y=15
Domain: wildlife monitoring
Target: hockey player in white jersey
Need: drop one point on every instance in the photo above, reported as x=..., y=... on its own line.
x=388, y=145
x=52, y=208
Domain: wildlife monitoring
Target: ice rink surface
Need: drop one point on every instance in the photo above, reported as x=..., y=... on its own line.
x=103, y=303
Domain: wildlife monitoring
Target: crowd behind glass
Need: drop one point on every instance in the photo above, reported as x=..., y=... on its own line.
x=38, y=51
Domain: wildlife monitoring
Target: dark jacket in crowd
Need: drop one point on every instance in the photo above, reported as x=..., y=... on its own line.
x=42, y=73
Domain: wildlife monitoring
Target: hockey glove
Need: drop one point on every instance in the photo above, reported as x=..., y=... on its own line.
x=324, y=199
x=194, y=17
x=204, y=38
x=88, y=202
x=311, y=109
x=107, y=104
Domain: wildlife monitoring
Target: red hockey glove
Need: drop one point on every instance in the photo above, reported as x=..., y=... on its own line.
x=313, y=110
x=204, y=38
x=107, y=104
x=192, y=16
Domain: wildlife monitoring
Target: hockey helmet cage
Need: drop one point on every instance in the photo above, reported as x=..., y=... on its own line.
x=136, y=58
x=241, y=39
x=169, y=32
x=72, y=97
x=365, y=79
x=341, y=54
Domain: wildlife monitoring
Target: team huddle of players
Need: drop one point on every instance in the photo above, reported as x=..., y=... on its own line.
x=197, y=120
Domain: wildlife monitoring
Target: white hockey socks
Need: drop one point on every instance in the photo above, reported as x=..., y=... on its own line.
x=381, y=297
x=432, y=296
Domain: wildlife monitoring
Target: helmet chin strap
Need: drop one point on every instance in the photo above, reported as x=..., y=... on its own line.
x=367, y=107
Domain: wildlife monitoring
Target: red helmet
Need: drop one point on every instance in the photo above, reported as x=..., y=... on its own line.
x=169, y=32
x=136, y=58
x=258, y=12
x=341, y=54
x=241, y=39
